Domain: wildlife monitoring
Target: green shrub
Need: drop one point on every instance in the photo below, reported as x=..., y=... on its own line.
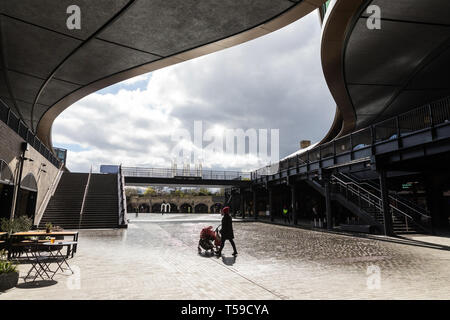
x=5, y=265
x=19, y=224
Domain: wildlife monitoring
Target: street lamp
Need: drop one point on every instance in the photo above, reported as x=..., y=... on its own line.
x=22, y=159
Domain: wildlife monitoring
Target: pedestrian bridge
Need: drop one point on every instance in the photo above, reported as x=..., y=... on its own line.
x=135, y=176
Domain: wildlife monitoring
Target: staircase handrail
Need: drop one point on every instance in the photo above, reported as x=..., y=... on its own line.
x=424, y=228
x=395, y=198
x=84, y=197
x=394, y=210
x=122, y=198
x=49, y=195
x=344, y=183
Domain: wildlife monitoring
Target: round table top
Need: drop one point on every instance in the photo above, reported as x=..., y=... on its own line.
x=60, y=243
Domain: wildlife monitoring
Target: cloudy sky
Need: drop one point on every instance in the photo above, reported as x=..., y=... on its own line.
x=273, y=82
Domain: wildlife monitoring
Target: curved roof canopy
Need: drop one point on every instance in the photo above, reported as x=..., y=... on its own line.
x=45, y=67
x=375, y=74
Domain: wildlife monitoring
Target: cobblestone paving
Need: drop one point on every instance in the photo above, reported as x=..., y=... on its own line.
x=159, y=260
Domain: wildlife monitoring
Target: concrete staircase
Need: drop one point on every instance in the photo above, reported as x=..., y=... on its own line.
x=64, y=207
x=100, y=208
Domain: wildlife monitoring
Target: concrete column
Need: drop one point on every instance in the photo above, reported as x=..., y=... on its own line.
x=270, y=203
x=233, y=204
x=438, y=210
x=387, y=216
x=242, y=199
x=294, y=203
x=254, y=204
x=329, y=212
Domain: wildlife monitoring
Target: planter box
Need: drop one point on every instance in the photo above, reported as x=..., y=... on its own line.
x=8, y=280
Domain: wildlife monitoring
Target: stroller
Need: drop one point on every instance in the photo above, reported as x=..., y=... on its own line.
x=209, y=239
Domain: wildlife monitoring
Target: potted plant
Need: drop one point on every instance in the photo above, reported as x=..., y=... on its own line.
x=9, y=276
x=48, y=227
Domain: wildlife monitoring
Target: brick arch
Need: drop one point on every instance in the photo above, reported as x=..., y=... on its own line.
x=156, y=207
x=184, y=208
x=173, y=207
x=201, y=208
x=216, y=207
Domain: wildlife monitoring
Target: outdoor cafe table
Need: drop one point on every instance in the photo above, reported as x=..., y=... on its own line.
x=73, y=234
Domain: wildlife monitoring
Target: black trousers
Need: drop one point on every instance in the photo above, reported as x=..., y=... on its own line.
x=223, y=243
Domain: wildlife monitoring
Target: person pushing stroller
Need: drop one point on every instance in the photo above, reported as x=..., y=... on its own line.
x=227, y=231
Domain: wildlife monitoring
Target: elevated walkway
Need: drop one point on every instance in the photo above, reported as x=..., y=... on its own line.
x=421, y=132
x=416, y=141
x=212, y=178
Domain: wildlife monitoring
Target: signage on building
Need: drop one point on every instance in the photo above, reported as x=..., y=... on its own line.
x=61, y=154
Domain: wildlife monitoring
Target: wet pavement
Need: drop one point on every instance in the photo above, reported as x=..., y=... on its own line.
x=156, y=258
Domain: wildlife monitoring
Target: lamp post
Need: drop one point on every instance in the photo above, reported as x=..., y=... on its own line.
x=22, y=158
x=41, y=169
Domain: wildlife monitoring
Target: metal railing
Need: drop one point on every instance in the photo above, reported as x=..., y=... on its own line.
x=49, y=194
x=425, y=117
x=122, y=198
x=86, y=189
x=412, y=209
x=18, y=126
x=185, y=173
x=371, y=203
x=358, y=195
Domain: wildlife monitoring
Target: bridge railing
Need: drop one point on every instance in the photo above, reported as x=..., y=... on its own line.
x=359, y=142
x=185, y=173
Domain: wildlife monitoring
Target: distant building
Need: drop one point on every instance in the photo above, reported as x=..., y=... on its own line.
x=61, y=154
x=106, y=168
x=305, y=144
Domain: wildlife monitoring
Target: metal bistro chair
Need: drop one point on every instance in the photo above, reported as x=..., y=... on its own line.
x=40, y=263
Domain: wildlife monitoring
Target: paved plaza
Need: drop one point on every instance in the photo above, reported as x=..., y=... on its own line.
x=156, y=258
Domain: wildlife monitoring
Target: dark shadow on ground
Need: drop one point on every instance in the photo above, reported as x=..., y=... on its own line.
x=36, y=284
x=229, y=261
x=206, y=254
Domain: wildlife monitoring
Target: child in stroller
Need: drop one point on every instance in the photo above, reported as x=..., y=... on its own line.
x=207, y=236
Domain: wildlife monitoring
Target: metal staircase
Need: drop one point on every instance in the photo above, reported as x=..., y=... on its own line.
x=406, y=217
